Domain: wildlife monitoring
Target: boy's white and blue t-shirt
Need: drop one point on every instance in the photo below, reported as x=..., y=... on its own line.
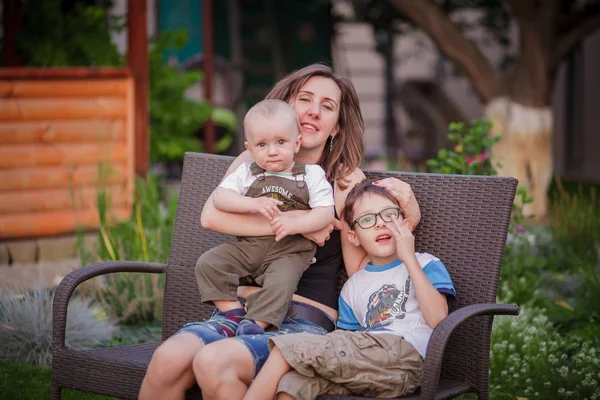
x=382, y=299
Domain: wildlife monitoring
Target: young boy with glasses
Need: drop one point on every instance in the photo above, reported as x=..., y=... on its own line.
x=387, y=312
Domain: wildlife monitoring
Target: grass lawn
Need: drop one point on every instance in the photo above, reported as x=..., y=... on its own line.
x=30, y=382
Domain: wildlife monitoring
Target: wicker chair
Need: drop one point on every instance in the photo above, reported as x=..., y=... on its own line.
x=465, y=222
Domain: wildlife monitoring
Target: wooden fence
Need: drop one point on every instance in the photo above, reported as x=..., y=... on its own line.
x=65, y=134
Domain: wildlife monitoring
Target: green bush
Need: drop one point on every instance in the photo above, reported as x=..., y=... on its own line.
x=133, y=298
x=471, y=154
x=556, y=266
x=531, y=360
x=146, y=236
x=575, y=261
x=553, y=273
x=80, y=36
x=522, y=271
x=575, y=224
x=174, y=119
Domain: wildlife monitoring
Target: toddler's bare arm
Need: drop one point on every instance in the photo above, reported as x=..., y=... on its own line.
x=229, y=200
x=286, y=224
x=317, y=219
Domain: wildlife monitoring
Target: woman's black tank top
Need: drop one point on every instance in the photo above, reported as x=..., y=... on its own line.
x=320, y=281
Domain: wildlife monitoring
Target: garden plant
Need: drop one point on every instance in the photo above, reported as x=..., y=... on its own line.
x=552, y=271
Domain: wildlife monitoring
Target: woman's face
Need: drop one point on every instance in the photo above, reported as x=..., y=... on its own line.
x=318, y=107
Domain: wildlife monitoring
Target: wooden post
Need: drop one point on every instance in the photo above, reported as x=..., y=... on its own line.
x=208, y=50
x=137, y=58
x=11, y=21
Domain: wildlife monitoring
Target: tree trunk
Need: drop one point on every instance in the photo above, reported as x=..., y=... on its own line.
x=523, y=118
x=525, y=149
x=519, y=106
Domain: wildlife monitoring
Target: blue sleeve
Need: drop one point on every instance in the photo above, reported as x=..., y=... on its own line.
x=439, y=277
x=346, y=318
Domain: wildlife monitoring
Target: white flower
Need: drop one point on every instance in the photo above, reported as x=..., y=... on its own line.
x=563, y=371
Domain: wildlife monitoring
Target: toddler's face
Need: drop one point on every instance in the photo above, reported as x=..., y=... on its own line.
x=273, y=143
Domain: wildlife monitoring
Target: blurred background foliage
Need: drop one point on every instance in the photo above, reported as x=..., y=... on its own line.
x=62, y=34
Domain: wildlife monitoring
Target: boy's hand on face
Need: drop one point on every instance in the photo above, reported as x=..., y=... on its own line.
x=282, y=226
x=405, y=241
x=267, y=206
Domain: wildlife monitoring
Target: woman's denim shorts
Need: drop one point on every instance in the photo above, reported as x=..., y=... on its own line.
x=258, y=345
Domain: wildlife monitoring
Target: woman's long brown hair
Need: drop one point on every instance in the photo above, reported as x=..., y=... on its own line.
x=348, y=146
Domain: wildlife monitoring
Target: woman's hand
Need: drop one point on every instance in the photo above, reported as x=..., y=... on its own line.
x=323, y=235
x=397, y=188
x=405, y=196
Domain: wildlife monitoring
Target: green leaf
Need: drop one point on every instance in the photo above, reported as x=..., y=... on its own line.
x=225, y=118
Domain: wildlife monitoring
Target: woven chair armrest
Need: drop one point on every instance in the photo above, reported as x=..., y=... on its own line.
x=441, y=334
x=67, y=286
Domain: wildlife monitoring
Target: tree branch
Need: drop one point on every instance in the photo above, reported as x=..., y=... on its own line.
x=566, y=41
x=459, y=49
x=522, y=8
x=572, y=16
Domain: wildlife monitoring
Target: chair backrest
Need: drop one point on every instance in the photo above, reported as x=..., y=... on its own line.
x=465, y=222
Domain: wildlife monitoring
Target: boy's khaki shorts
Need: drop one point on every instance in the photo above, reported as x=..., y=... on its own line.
x=345, y=363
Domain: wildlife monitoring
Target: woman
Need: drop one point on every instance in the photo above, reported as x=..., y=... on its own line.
x=332, y=128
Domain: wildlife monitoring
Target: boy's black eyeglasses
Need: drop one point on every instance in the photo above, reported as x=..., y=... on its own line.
x=369, y=220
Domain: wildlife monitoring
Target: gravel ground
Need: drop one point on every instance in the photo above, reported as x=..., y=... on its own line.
x=46, y=273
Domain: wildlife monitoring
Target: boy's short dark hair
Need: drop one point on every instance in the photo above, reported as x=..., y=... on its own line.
x=360, y=190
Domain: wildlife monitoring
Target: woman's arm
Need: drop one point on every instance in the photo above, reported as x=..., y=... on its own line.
x=232, y=223
x=355, y=257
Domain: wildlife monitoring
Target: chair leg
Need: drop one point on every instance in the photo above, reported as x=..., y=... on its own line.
x=55, y=391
